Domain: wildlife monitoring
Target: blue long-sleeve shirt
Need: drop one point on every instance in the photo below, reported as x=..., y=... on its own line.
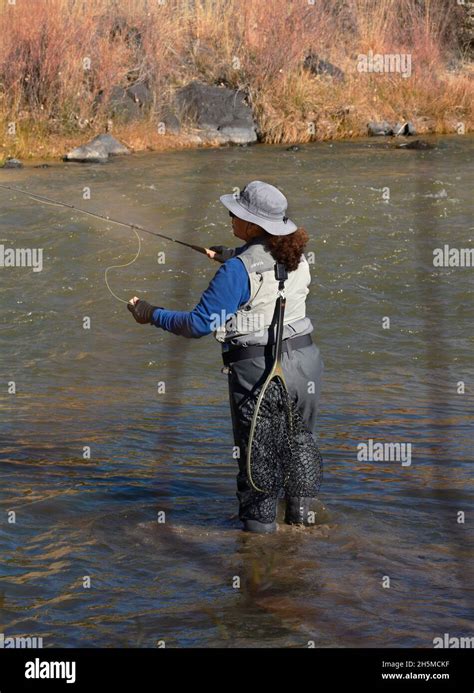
x=228, y=290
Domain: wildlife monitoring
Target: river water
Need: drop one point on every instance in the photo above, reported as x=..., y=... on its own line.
x=86, y=557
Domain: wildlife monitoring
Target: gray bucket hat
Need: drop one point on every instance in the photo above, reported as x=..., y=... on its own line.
x=262, y=204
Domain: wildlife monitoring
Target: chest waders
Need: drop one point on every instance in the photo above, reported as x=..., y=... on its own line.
x=282, y=454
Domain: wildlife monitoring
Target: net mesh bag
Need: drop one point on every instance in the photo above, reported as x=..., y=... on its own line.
x=285, y=460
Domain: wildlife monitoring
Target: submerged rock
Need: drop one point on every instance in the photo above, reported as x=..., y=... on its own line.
x=12, y=163
x=416, y=144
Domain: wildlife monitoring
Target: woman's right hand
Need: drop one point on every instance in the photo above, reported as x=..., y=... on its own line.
x=220, y=253
x=210, y=253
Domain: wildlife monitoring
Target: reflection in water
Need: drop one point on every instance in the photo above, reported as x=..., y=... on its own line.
x=196, y=579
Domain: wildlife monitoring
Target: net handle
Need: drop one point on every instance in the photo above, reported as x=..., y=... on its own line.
x=281, y=275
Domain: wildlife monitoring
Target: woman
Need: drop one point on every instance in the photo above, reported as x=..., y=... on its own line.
x=244, y=293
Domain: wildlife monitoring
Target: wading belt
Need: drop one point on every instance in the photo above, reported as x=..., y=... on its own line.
x=255, y=350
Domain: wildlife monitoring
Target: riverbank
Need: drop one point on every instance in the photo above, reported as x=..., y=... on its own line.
x=80, y=70
x=143, y=137
x=34, y=140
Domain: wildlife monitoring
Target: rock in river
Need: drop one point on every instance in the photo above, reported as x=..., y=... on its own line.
x=113, y=146
x=12, y=163
x=416, y=144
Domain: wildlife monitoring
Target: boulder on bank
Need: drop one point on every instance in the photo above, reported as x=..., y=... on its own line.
x=122, y=105
x=113, y=146
x=97, y=150
x=220, y=113
x=126, y=103
x=379, y=129
x=130, y=34
x=236, y=134
x=92, y=153
x=171, y=123
x=385, y=129
x=12, y=163
x=404, y=129
x=140, y=94
x=319, y=66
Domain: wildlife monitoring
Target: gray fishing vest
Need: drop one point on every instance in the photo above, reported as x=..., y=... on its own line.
x=250, y=324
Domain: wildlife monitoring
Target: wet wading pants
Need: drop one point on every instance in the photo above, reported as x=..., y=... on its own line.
x=300, y=367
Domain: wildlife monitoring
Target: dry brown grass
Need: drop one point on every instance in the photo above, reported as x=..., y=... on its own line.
x=257, y=46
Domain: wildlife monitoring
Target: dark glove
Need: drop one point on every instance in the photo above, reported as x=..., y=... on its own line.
x=223, y=252
x=142, y=311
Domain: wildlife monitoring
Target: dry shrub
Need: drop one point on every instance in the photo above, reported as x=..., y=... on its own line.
x=257, y=46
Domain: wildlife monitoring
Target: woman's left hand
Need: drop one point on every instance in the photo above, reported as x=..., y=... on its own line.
x=141, y=310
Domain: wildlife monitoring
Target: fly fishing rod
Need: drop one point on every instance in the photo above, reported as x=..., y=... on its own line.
x=134, y=227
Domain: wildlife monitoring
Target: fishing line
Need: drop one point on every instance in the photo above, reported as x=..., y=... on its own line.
x=135, y=228
x=125, y=265
x=56, y=204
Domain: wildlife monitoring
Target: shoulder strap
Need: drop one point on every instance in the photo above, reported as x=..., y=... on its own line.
x=281, y=275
